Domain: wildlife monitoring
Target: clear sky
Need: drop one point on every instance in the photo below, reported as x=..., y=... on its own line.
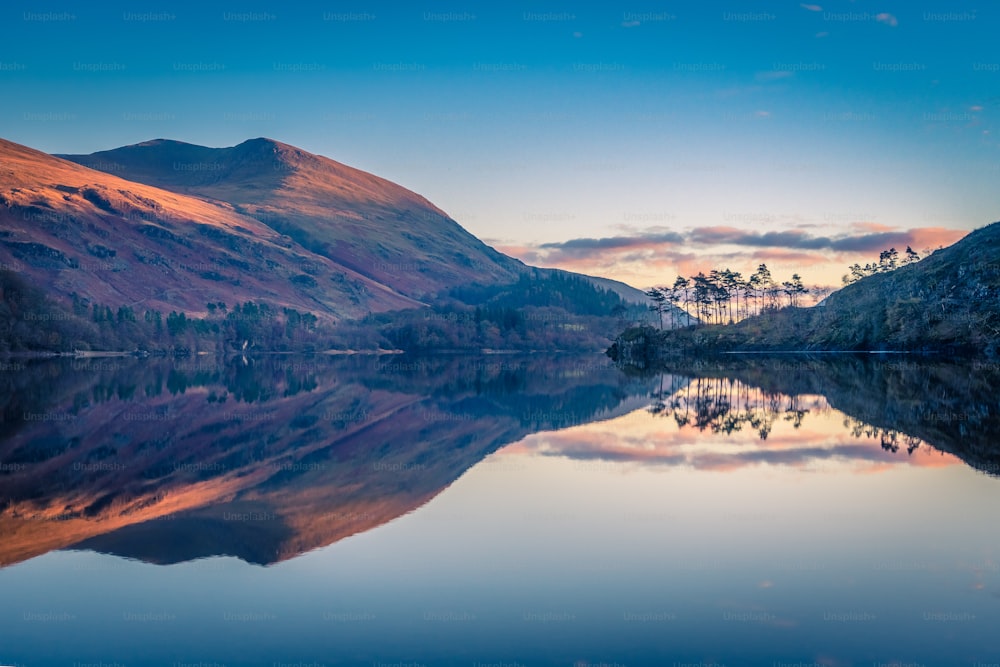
x=633, y=140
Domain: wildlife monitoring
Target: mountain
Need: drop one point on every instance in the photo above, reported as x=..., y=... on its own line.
x=948, y=301
x=70, y=230
x=98, y=251
x=359, y=221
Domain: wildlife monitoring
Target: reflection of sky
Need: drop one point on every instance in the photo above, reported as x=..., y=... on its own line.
x=540, y=559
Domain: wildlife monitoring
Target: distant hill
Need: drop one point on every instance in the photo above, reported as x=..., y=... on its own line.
x=949, y=301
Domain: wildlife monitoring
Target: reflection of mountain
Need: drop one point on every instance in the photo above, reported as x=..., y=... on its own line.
x=262, y=460
x=950, y=406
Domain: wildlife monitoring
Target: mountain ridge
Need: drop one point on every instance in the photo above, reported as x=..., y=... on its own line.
x=375, y=227
x=73, y=230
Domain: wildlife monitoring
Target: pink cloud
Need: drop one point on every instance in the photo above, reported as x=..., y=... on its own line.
x=647, y=257
x=887, y=19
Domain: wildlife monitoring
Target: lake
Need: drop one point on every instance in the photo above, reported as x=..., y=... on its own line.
x=499, y=511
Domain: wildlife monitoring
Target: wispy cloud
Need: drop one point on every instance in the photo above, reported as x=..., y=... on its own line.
x=588, y=245
x=812, y=8
x=887, y=18
x=873, y=238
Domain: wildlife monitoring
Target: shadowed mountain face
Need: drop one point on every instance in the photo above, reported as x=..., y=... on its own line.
x=262, y=459
x=368, y=224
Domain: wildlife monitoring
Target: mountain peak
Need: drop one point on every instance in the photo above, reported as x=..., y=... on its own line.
x=374, y=227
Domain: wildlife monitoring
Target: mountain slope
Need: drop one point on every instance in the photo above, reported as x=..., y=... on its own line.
x=373, y=226
x=71, y=230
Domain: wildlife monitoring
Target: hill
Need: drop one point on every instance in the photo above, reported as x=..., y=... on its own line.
x=947, y=302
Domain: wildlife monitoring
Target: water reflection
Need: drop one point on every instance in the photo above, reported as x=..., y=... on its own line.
x=265, y=459
x=901, y=403
x=262, y=458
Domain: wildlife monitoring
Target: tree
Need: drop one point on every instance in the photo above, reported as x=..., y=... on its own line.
x=800, y=289
x=732, y=281
x=681, y=286
x=764, y=284
x=888, y=260
x=703, y=294
x=673, y=297
x=658, y=298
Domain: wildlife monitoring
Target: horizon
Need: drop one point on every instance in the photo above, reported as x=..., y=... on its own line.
x=631, y=144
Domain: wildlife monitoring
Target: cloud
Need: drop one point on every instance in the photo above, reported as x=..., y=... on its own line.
x=868, y=237
x=812, y=8
x=887, y=19
x=587, y=245
x=630, y=24
x=796, y=239
x=643, y=256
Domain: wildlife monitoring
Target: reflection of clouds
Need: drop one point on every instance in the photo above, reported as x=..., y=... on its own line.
x=823, y=438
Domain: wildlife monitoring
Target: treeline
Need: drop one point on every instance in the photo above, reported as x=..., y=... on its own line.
x=725, y=296
x=456, y=327
x=888, y=260
x=31, y=322
x=542, y=310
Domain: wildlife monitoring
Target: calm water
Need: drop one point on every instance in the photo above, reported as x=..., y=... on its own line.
x=499, y=511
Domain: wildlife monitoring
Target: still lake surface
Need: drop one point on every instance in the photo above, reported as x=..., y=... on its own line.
x=499, y=511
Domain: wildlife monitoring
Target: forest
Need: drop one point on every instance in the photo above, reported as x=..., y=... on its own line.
x=542, y=310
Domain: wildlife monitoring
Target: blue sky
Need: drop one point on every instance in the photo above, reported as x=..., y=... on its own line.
x=630, y=140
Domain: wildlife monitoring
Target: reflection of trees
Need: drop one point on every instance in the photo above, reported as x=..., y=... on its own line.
x=890, y=439
x=947, y=404
x=724, y=405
